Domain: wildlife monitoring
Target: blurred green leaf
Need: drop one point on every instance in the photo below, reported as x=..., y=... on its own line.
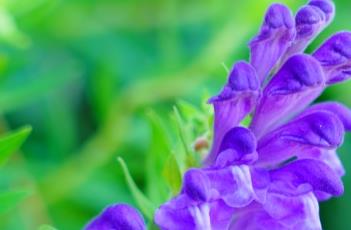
x=156, y=158
x=46, y=227
x=10, y=199
x=12, y=142
x=144, y=204
x=172, y=173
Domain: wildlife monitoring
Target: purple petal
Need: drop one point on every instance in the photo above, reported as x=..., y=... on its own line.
x=327, y=6
x=331, y=158
x=316, y=173
x=276, y=35
x=319, y=129
x=236, y=100
x=310, y=20
x=294, y=212
x=196, y=185
x=118, y=217
x=179, y=214
x=259, y=220
x=233, y=185
x=343, y=113
x=296, y=85
x=238, y=147
x=175, y=214
x=335, y=57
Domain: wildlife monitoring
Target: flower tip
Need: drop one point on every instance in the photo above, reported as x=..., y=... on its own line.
x=279, y=15
x=335, y=57
x=340, y=43
x=298, y=72
x=242, y=78
x=328, y=128
x=118, y=216
x=309, y=20
x=327, y=6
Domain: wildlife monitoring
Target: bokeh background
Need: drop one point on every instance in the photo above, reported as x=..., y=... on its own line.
x=84, y=74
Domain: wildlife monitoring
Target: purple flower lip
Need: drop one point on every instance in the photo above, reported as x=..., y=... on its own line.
x=326, y=6
x=336, y=50
x=119, y=217
x=314, y=172
x=242, y=78
x=335, y=57
x=298, y=73
x=343, y=113
x=277, y=16
x=309, y=19
x=309, y=15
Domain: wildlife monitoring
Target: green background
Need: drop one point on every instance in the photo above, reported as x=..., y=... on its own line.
x=84, y=74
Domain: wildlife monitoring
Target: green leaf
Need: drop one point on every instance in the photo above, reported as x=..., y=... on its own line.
x=157, y=189
x=144, y=204
x=10, y=199
x=46, y=227
x=173, y=174
x=12, y=142
x=188, y=157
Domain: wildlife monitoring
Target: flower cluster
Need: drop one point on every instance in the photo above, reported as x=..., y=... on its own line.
x=271, y=174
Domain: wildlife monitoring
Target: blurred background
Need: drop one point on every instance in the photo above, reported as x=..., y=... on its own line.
x=85, y=74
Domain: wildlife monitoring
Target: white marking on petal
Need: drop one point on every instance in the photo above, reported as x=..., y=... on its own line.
x=312, y=210
x=245, y=192
x=201, y=215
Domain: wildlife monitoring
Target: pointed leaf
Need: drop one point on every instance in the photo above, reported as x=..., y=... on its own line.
x=12, y=142
x=144, y=204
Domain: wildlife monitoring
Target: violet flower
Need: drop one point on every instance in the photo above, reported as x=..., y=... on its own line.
x=117, y=217
x=271, y=174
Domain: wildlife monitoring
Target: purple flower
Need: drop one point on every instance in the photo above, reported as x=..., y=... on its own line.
x=117, y=217
x=271, y=174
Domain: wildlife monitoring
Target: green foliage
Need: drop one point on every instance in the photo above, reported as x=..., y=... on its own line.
x=144, y=204
x=10, y=199
x=11, y=143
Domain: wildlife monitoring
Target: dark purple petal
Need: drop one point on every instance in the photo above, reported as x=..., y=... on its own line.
x=196, y=185
x=236, y=100
x=238, y=147
x=335, y=57
x=320, y=129
x=117, y=217
x=316, y=173
x=276, y=35
x=338, y=109
x=296, y=85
